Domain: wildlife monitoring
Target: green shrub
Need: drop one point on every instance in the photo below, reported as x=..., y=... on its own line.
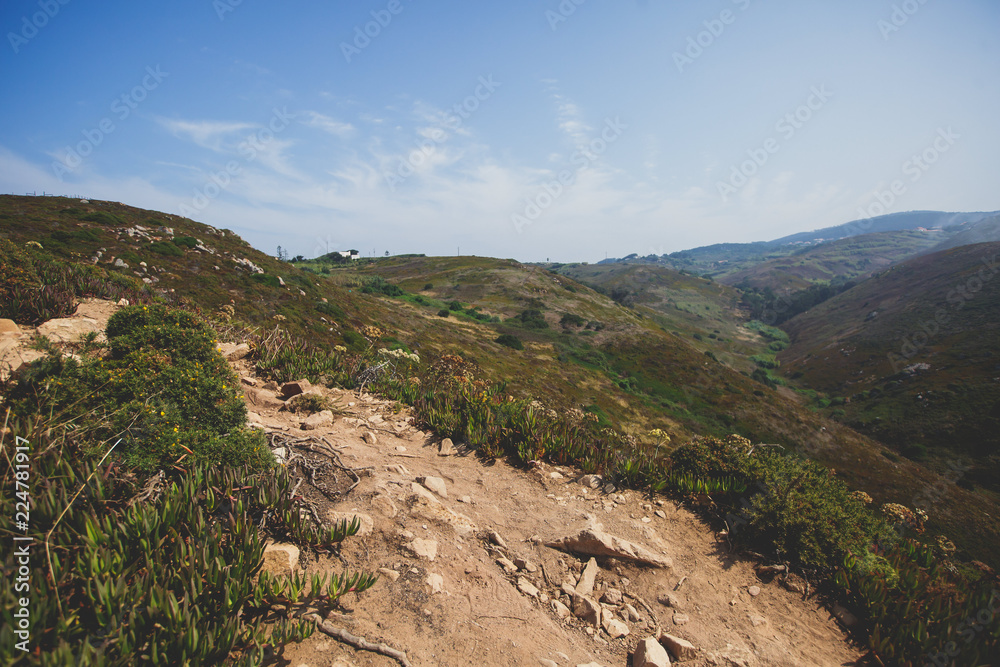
x=165, y=248
x=532, y=318
x=104, y=218
x=571, y=320
x=267, y=279
x=331, y=309
x=455, y=306
x=444, y=312
x=511, y=341
x=163, y=389
x=764, y=362
x=354, y=341
x=186, y=241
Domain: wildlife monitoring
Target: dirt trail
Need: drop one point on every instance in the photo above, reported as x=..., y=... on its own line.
x=464, y=608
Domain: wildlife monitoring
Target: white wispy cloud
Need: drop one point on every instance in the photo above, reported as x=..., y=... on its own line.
x=329, y=125
x=205, y=133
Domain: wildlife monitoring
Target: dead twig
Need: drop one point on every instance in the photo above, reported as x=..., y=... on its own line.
x=360, y=643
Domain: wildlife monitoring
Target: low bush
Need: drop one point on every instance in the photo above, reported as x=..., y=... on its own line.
x=168, y=577
x=511, y=341
x=162, y=388
x=165, y=248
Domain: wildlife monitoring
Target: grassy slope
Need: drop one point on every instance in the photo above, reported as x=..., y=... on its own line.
x=631, y=370
x=952, y=407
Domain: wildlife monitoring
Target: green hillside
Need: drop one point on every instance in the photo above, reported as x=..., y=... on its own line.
x=913, y=354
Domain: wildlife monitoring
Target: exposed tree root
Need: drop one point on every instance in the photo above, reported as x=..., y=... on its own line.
x=359, y=643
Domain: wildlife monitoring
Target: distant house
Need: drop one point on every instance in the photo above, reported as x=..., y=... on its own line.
x=349, y=254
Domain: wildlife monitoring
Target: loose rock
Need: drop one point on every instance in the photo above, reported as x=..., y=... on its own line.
x=422, y=548
x=593, y=541
x=447, y=447
x=527, y=587
x=317, y=420
x=649, y=653
x=281, y=559
x=435, y=484
x=681, y=649
x=587, y=610
x=586, y=584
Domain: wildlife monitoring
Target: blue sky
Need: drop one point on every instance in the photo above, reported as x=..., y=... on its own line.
x=531, y=130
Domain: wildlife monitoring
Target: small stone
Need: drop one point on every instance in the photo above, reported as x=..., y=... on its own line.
x=290, y=389
x=669, y=600
x=757, y=620
x=397, y=468
x=527, y=587
x=631, y=614
x=587, y=610
x=585, y=586
x=680, y=619
x=281, y=559
x=465, y=499
x=844, y=616
x=646, y=519
x=591, y=481
x=612, y=596
x=423, y=548
x=525, y=565
x=421, y=492
x=561, y=610
x=614, y=627
x=238, y=352
x=370, y=438
x=8, y=326
x=650, y=653
x=317, y=420
x=661, y=514
x=545, y=662
x=681, y=649
x=385, y=506
x=400, y=449
x=507, y=565
x=390, y=574
x=496, y=539
x=555, y=475
x=754, y=591
x=436, y=583
x=447, y=447
x=435, y=484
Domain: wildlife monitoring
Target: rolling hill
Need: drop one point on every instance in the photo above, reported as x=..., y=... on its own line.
x=913, y=355
x=637, y=368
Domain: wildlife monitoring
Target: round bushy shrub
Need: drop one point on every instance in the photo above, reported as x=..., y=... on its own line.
x=508, y=340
